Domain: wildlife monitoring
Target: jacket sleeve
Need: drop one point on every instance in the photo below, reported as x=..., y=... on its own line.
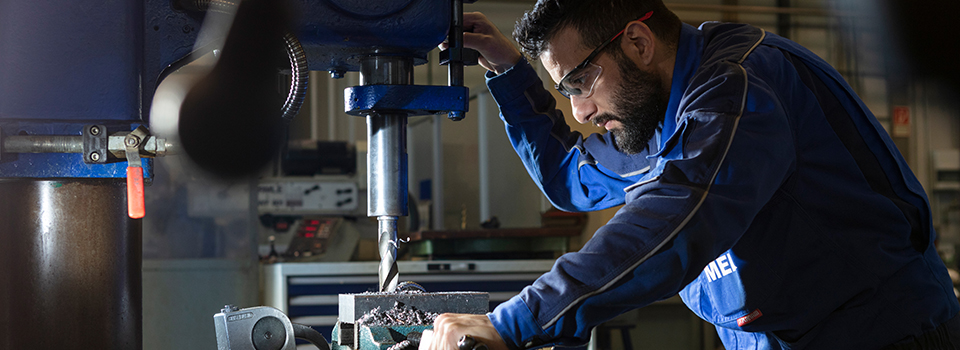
x=729, y=155
x=560, y=161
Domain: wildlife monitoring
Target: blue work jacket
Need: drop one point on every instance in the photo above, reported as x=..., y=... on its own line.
x=772, y=201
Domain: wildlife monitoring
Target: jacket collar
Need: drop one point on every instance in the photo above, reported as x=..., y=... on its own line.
x=689, y=51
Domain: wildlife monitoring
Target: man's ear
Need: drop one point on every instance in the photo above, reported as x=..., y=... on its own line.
x=639, y=43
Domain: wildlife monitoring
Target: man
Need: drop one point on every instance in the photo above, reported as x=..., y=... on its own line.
x=756, y=185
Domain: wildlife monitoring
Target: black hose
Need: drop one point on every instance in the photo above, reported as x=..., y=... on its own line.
x=311, y=335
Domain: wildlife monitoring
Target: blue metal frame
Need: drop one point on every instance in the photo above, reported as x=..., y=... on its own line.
x=99, y=63
x=336, y=33
x=411, y=99
x=69, y=64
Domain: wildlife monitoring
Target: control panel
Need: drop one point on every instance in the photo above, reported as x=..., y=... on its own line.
x=308, y=196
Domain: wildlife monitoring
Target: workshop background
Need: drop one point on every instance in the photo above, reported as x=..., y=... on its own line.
x=477, y=222
x=200, y=241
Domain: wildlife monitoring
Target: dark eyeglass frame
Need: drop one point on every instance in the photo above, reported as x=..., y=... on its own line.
x=586, y=62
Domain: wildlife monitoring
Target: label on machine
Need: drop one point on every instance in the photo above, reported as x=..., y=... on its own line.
x=307, y=197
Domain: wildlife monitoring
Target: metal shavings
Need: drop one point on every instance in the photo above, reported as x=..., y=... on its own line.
x=400, y=314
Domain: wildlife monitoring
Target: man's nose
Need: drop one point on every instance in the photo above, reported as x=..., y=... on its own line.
x=583, y=109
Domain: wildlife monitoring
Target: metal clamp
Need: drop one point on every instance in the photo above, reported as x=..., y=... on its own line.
x=95, y=144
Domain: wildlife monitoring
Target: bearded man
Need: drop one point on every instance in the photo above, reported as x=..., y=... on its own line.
x=756, y=184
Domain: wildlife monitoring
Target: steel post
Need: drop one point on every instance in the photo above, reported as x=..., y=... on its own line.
x=71, y=266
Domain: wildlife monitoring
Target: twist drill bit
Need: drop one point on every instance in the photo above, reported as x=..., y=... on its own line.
x=389, y=272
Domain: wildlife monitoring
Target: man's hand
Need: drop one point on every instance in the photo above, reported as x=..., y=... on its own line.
x=449, y=328
x=497, y=53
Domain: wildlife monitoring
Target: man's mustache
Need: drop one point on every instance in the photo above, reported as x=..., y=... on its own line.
x=606, y=117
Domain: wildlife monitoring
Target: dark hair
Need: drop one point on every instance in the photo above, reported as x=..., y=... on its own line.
x=596, y=20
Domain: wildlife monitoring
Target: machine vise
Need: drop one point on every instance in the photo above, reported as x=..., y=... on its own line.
x=367, y=321
x=379, y=321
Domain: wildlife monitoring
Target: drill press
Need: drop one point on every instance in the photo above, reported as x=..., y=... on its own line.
x=387, y=97
x=383, y=40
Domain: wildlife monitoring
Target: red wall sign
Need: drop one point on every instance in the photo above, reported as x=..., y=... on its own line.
x=901, y=121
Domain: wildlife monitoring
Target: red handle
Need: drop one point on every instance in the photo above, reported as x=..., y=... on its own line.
x=135, y=205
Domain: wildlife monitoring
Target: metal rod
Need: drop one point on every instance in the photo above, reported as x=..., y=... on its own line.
x=455, y=66
x=437, y=182
x=332, y=114
x=387, y=165
x=387, y=161
x=43, y=144
x=314, y=92
x=74, y=144
x=484, y=154
x=353, y=79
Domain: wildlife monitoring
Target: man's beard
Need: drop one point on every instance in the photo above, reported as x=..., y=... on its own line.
x=639, y=103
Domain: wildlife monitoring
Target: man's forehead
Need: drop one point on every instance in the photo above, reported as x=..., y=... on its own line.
x=563, y=52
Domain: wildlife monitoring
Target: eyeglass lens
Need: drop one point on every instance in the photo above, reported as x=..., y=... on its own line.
x=580, y=82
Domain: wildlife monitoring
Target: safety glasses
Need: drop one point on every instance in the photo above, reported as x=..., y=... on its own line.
x=579, y=81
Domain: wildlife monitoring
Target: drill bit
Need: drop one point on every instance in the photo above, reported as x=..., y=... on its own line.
x=389, y=272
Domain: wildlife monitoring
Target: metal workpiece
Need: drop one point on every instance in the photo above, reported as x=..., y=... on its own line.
x=389, y=272
x=352, y=307
x=384, y=321
x=71, y=258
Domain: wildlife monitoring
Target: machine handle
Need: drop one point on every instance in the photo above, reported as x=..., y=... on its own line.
x=135, y=202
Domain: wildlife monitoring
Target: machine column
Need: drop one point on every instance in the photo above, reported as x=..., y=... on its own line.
x=387, y=161
x=71, y=265
x=69, y=254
